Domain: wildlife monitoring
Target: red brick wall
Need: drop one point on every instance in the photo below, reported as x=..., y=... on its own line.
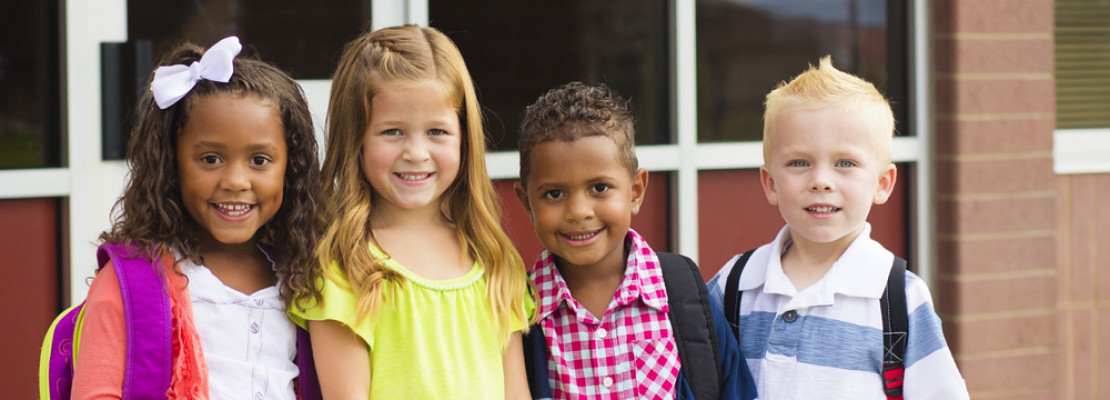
x=996, y=194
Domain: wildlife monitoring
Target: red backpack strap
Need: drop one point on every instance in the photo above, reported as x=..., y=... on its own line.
x=146, y=310
x=895, y=330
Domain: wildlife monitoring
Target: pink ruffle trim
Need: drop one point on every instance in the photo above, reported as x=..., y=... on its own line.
x=190, y=374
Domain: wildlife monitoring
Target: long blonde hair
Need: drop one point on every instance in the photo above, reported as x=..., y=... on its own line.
x=411, y=54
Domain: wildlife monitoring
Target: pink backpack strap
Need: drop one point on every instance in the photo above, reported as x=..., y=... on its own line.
x=146, y=308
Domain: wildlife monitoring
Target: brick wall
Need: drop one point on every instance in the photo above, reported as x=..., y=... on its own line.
x=997, y=288
x=1084, y=292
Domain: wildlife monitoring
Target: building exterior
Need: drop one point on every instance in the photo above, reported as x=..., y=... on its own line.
x=1001, y=147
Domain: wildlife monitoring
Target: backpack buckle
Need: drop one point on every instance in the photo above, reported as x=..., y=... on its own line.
x=892, y=381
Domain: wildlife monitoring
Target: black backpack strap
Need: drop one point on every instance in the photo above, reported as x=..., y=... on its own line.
x=732, y=293
x=535, y=362
x=895, y=329
x=692, y=323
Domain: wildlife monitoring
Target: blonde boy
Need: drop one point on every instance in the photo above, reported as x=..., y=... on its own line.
x=810, y=321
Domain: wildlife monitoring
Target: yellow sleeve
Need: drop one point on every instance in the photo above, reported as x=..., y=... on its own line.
x=339, y=303
x=529, y=311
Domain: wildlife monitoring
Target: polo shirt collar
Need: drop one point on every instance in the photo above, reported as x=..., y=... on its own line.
x=860, y=272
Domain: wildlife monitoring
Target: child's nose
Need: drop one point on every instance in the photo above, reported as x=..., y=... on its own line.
x=235, y=178
x=579, y=208
x=416, y=148
x=821, y=180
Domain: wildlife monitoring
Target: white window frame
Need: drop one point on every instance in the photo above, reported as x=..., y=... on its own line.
x=1081, y=151
x=92, y=185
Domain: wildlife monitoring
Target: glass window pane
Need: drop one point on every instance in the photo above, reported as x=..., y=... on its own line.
x=746, y=47
x=517, y=50
x=304, y=38
x=30, y=128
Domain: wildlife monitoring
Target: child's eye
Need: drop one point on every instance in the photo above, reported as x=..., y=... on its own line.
x=210, y=159
x=797, y=163
x=553, y=194
x=600, y=187
x=391, y=132
x=845, y=164
x=437, y=132
x=259, y=160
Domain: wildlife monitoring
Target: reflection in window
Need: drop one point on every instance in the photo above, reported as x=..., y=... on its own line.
x=518, y=50
x=301, y=37
x=30, y=131
x=746, y=47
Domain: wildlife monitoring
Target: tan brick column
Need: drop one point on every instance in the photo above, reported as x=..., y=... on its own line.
x=996, y=194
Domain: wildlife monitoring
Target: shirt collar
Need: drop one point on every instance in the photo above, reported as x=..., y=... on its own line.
x=860, y=272
x=643, y=279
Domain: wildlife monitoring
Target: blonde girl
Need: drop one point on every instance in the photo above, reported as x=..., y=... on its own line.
x=424, y=296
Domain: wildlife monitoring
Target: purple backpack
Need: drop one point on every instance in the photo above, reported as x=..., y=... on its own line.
x=146, y=309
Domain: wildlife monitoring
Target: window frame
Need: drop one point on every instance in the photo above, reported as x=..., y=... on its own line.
x=92, y=184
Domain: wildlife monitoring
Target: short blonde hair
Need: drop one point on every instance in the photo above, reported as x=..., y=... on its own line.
x=825, y=86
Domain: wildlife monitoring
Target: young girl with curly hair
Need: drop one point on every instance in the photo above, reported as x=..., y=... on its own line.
x=424, y=296
x=222, y=198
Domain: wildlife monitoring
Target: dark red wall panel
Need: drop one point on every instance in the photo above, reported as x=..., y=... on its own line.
x=28, y=290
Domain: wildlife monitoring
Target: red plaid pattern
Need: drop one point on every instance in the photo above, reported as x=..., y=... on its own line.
x=629, y=353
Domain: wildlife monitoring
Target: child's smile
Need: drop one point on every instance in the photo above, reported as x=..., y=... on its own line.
x=411, y=150
x=581, y=200
x=824, y=174
x=231, y=156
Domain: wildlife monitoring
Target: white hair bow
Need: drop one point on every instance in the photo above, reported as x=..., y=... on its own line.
x=172, y=82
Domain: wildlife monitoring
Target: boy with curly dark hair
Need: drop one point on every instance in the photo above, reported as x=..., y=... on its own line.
x=616, y=319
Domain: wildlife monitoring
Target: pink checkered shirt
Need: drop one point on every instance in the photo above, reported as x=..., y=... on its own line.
x=629, y=353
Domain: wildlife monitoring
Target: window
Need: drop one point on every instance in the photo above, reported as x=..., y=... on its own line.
x=516, y=51
x=30, y=75
x=303, y=38
x=746, y=47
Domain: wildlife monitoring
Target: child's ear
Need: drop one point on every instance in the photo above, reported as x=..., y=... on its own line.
x=768, y=183
x=522, y=195
x=887, y=178
x=639, y=188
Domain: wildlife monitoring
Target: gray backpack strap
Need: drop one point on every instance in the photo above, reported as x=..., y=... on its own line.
x=896, y=328
x=692, y=323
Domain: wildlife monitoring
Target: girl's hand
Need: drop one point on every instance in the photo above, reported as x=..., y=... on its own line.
x=342, y=361
x=516, y=378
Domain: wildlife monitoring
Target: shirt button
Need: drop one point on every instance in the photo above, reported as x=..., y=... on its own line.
x=254, y=327
x=600, y=334
x=607, y=382
x=790, y=316
x=259, y=302
x=257, y=395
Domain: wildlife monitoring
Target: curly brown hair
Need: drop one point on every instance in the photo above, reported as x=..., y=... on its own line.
x=573, y=111
x=150, y=213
